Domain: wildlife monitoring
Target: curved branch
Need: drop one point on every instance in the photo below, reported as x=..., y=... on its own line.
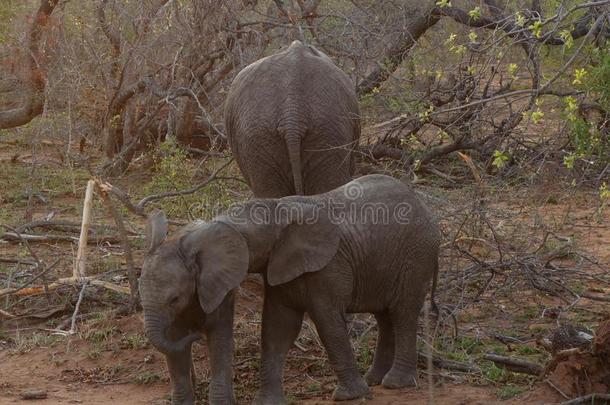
x=396, y=54
x=139, y=208
x=500, y=20
x=36, y=82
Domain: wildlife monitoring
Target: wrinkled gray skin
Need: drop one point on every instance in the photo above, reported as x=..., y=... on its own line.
x=342, y=255
x=177, y=308
x=292, y=121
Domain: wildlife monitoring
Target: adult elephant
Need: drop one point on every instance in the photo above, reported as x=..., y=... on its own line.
x=292, y=120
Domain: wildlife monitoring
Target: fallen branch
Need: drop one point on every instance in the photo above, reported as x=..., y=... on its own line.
x=440, y=362
x=24, y=285
x=595, y=297
x=587, y=399
x=562, y=354
x=66, y=281
x=39, y=263
x=30, y=394
x=17, y=261
x=515, y=365
x=13, y=237
x=65, y=226
x=379, y=151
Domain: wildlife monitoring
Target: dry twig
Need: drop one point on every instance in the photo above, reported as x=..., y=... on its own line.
x=76, y=308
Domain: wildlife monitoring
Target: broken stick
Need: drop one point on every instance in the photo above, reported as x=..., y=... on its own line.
x=81, y=255
x=515, y=365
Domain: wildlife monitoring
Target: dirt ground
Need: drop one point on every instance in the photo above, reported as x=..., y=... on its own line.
x=65, y=369
x=109, y=361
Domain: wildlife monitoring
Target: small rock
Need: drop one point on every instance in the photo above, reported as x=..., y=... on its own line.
x=33, y=394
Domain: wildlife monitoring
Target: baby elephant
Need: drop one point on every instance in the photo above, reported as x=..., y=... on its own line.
x=368, y=246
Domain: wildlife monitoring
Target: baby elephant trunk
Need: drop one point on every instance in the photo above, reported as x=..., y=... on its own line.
x=156, y=327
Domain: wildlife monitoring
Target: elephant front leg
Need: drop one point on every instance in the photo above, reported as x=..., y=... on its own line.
x=180, y=366
x=281, y=326
x=219, y=333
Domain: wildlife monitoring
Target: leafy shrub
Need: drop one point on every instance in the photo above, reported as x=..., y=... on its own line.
x=588, y=135
x=174, y=171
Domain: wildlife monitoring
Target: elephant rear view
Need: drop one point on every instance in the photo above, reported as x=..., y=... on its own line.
x=292, y=121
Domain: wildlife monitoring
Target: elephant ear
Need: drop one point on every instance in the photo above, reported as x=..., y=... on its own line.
x=303, y=246
x=222, y=258
x=156, y=230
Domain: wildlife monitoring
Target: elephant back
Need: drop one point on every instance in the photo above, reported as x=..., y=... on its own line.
x=298, y=99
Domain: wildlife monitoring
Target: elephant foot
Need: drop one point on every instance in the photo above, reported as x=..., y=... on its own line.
x=187, y=401
x=265, y=399
x=395, y=379
x=358, y=389
x=230, y=401
x=374, y=376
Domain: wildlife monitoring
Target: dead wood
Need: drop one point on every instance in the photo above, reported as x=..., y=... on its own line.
x=81, y=256
x=118, y=219
x=17, y=261
x=514, y=365
x=588, y=399
x=64, y=226
x=27, y=283
x=595, y=297
x=76, y=308
x=33, y=394
x=6, y=314
x=13, y=237
x=440, y=362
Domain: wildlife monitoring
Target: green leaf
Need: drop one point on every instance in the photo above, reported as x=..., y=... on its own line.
x=500, y=159
x=475, y=13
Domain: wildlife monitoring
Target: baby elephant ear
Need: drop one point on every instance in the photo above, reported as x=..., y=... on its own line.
x=303, y=247
x=222, y=258
x=156, y=230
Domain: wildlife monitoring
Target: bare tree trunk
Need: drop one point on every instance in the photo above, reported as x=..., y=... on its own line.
x=36, y=80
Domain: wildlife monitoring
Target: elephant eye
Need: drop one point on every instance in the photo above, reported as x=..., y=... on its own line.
x=174, y=300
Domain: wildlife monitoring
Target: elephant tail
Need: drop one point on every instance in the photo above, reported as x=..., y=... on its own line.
x=293, y=143
x=433, y=305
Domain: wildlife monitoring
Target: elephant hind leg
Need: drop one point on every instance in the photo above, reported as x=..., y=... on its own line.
x=333, y=333
x=384, y=352
x=404, y=320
